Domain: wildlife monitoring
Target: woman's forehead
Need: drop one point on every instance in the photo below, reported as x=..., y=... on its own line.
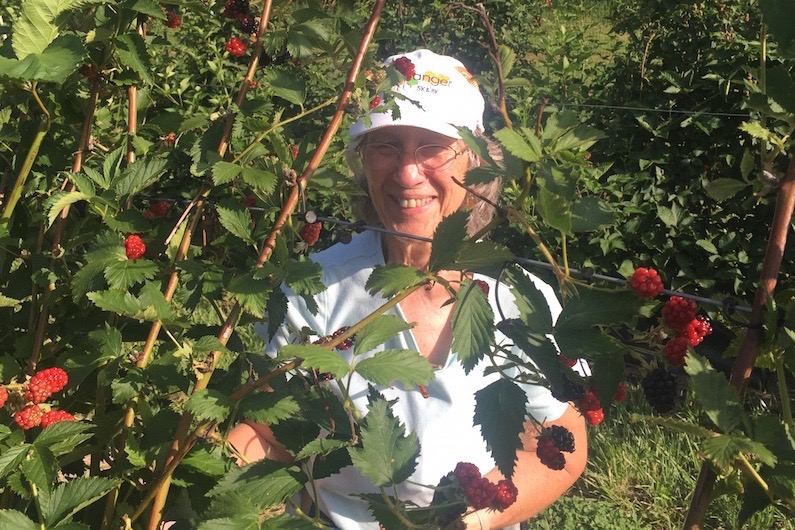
x=402, y=133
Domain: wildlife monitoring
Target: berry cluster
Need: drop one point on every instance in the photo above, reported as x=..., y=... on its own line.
x=29, y=397
x=236, y=47
x=646, y=282
x=344, y=345
x=679, y=315
x=481, y=492
x=157, y=210
x=590, y=407
x=552, y=443
x=240, y=10
x=134, y=247
x=310, y=232
x=405, y=67
x=660, y=388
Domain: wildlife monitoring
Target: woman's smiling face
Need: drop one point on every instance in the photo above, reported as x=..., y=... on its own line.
x=407, y=197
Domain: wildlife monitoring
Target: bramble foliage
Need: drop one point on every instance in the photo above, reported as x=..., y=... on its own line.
x=119, y=125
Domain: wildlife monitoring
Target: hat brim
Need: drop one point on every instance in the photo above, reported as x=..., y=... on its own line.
x=410, y=115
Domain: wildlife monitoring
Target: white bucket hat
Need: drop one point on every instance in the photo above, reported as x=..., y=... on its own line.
x=447, y=94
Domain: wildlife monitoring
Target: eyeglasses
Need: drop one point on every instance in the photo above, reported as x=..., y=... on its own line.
x=383, y=156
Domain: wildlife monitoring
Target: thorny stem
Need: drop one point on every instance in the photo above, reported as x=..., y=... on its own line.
x=179, y=444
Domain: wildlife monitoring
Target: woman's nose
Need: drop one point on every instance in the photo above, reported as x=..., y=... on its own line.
x=408, y=173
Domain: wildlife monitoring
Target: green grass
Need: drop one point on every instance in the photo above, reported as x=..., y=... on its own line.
x=641, y=477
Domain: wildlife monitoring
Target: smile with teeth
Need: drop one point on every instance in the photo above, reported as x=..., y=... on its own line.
x=413, y=203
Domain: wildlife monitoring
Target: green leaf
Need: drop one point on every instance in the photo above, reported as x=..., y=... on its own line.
x=580, y=138
x=448, y=240
x=11, y=458
x=125, y=273
x=756, y=130
x=388, y=455
x=597, y=308
x=63, y=436
x=287, y=86
x=205, y=461
x=321, y=446
x=246, y=521
x=34, y=31
x=555, y=210
x=62, y=57
x=778, y=15
x=724, y=449
x=209, y=404
x=139, y=175
x=528, y=149
x=235, y=217
x=41, y=469
x=406, y=366
x=721, y=189
x=133, y=54
x=478, y=255
x=251, y=292
x=16, y=520
x=6, y=301
x=61, y=200
x=157, y=307
x=530, y=301
x=591, y=213
x=225, y=172
x=115, y=301
x=147, y=7
x=500, y=412
x=269, y=407
x=259, y=179
x=317, y=357
x=670, y=216
x=383, y=328
x=537, y=348
x=713, y=391
x=71, y=497
x=264, y=483
x=473, y=325
x=389, y=280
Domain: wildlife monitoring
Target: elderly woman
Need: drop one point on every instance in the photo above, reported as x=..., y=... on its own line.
x=407, y=165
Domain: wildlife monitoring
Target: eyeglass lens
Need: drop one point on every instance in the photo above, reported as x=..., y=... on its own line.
x=383, y=155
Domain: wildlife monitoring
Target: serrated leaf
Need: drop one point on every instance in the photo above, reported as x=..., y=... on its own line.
x=125, y=273
x=225, y=172
x=11, y=458
x=205, y=462
x=132, y=52
x=62, y=57
x=157, y=307
x=115, y=301
x=448, y=240
x=719, y=399
x=530, y=301
x=756, y=130
x=41, y=469
x=406, y=366
x=139, y=175
x=71, y=497
x=235, y=217
x=388, y=455
x=61, y=200
x=555, y=210
x=6, y=301
x=317, y=357
x=147, y=7
x=591, y=213
x=724, y=449
x=63, y=435
x=16, y=520
x=269, y=407
x=480, y=254
x=781, y=87
x=209, y=404
x=580, y=138
x=287, y=86
x=597, y=308
x=500, y=412
x=259, y=179
x=473, y=325
x=321, y=446
x=383, y=328
x=537, y=348
x=389, y=280
x=251, y=292
x=527, y=149
x=721, y=189
x=265, y=483
x=246, y=521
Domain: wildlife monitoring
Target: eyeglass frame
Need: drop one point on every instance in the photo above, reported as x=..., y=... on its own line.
x=399, y=154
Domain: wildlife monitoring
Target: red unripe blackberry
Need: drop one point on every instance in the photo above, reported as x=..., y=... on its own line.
x=405, y=67
x=676, y=350
x=134, y=247
x=660, y=389
x=28, y=417
x=563, y=438
x=696, y=330
x=310, y=232
x=347, y=343
x=375, y=102
x=621, y=392
x=466, y=472
x=3, y=396
x=646, y=282
x=549, y=454
x=54, y=416
x=157, y=210
x=590, y=407
x=506, y=494
x=481, y=493
x=45, y=383
x=678, y=312
x=173, y=20
x=567, y=361
x=236, y=47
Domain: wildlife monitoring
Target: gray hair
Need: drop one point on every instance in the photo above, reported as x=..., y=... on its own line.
x=480, y=214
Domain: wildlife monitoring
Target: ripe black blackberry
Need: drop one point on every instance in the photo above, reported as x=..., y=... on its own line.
x=563, y=438
x=660, y=389
x=568, y=391
x=248, y=23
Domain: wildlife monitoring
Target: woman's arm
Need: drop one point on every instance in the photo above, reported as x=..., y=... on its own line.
x=538, y=485
x=256, y=441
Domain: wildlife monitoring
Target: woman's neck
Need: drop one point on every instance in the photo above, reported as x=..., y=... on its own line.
x=407, y=252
